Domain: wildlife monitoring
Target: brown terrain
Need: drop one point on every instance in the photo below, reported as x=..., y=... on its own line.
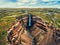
x=41, y=32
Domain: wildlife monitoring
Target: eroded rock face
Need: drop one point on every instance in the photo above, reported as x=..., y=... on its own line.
x=32, y=30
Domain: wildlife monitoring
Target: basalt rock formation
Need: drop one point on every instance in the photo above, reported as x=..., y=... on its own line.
x=32, y=30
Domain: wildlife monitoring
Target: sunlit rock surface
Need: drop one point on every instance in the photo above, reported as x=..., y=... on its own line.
x=32, y=30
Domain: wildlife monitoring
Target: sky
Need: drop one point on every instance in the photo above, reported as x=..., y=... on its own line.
x=29, y=3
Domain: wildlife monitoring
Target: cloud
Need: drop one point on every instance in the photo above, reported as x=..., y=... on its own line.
x=46, y=0
x=29, y=4
x=23, y=1
x=9, y=5
x=2, y=1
